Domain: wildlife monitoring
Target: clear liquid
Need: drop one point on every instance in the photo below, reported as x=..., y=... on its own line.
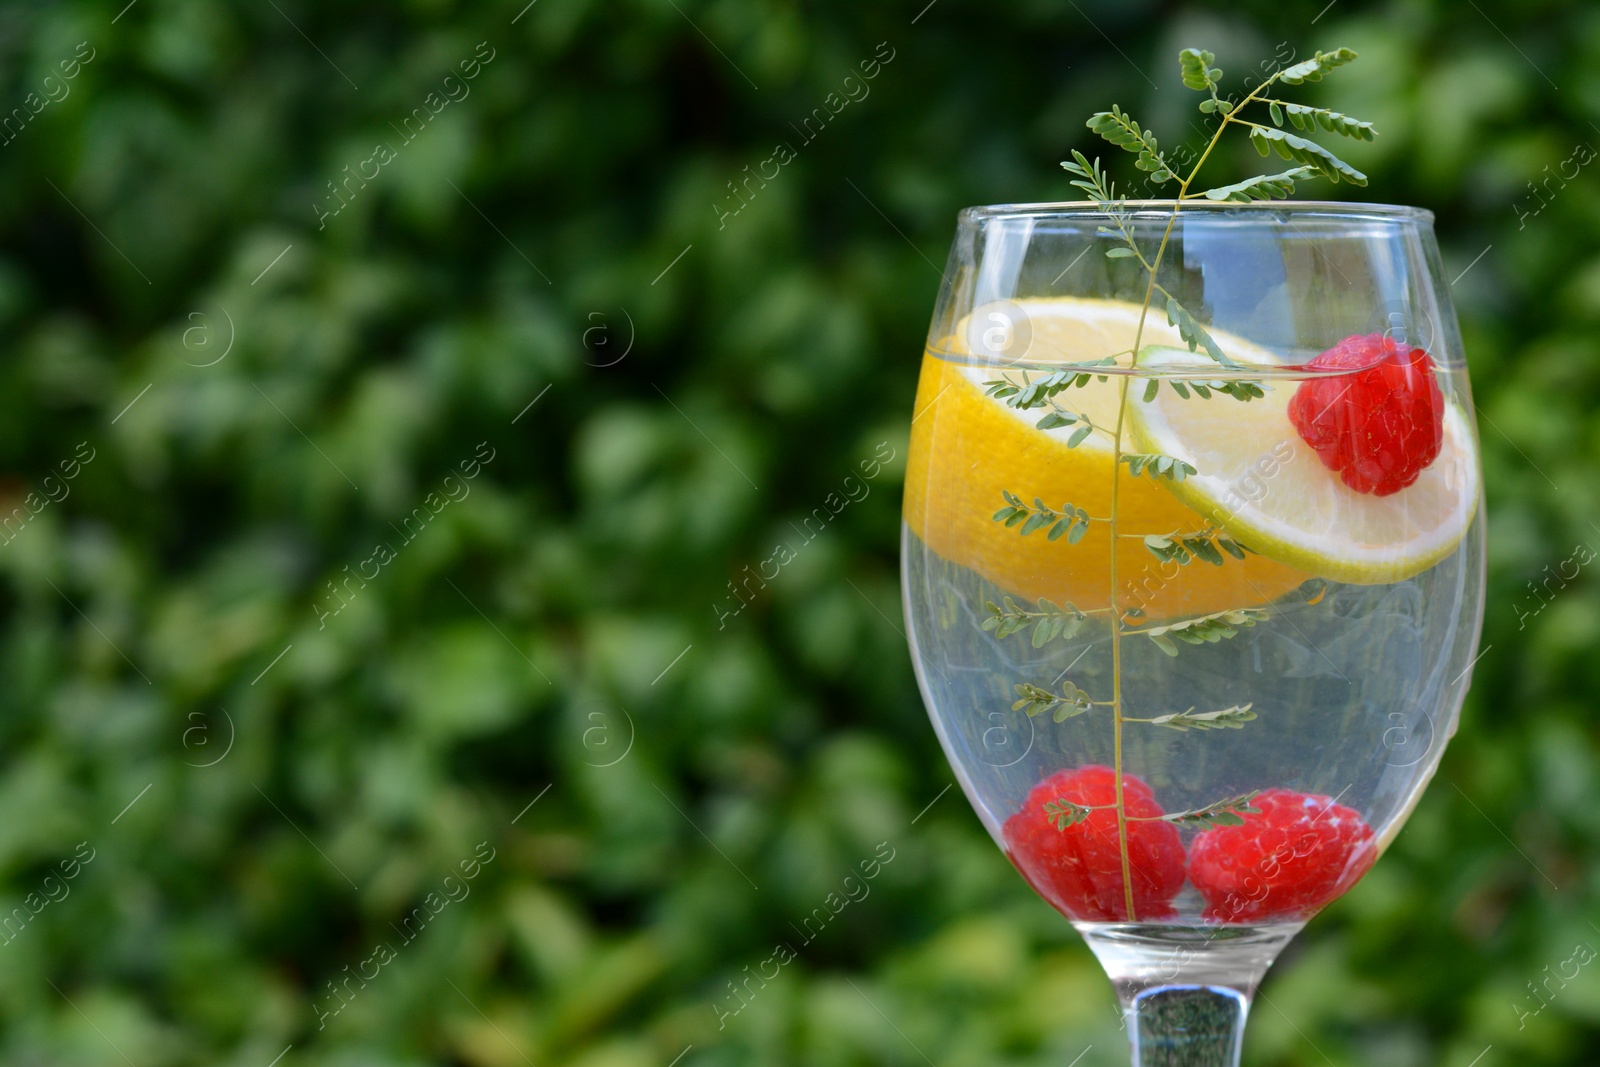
x=1355, y=691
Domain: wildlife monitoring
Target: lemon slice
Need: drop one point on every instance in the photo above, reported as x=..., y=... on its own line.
x=967, y=448
x=1263, y=483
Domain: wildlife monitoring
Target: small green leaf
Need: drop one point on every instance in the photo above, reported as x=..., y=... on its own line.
x=1063, y=814
x=1152, y=389
x=1303, y=117
x=1229, y=812
x=1050, y=620
x=1207, y=629
x=1195, y=334
x=1232, y=718
x=1119, y=253
x=1036, y=392
x=1307, y=153
x=1118, y=127
x=1090, y=178
x=1168, y=467
x=1262, y=186
x=1195, y=66
x=1314, y=68
x=1036, y=700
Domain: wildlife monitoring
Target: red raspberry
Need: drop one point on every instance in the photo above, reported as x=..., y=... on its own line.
x=1079, y=869
x=1299, y=853
x=1379, y=427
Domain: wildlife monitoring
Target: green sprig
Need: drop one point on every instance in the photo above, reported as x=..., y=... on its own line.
x=1060, y=417
x=1153, y=465
x=1195, y=335
x=1302, y=117
x=1232, y=718
x=1063, y=814
x=1122, y=130
x=1197, y=71
x=1037, y=392
x=1228, y=812
x=1313, y=69
x=1186, y=548
x=1049, y=622
x=1262, y=186
x=1090, y=178
x=1118, y=127
x=1205, y=630
x=1069, y=522
x=1240, y=389
x=1307, y=153
x=1036, y=700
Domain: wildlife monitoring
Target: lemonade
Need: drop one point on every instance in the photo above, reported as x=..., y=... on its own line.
x=1193, y=546
x=1297, y=657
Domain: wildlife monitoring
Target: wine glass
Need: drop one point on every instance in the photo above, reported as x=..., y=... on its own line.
x=1193, y=565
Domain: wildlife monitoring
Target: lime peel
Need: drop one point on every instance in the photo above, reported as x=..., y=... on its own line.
x=1303, y=514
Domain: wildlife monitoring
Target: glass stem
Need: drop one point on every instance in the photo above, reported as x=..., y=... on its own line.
x=1185, y=991
x=1187, y=1026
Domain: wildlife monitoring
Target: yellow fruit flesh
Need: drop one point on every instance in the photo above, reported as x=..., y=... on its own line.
x=966, y=448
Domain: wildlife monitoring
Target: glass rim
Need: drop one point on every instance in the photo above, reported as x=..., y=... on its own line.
x=1089, y=209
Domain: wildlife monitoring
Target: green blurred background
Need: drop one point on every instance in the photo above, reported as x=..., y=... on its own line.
x=252, y=392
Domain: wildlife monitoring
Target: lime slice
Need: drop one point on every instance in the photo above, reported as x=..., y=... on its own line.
x=1259, y=480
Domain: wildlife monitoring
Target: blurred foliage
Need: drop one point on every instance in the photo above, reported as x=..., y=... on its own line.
x=268, y=793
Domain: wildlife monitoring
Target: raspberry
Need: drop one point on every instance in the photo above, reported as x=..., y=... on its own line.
x=1079, y=869
x=1299, y=853
x=1379, y=427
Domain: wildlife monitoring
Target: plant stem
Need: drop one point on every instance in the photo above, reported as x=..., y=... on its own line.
x=1255, y=94
x=1153, y=267
x=1116, y=628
